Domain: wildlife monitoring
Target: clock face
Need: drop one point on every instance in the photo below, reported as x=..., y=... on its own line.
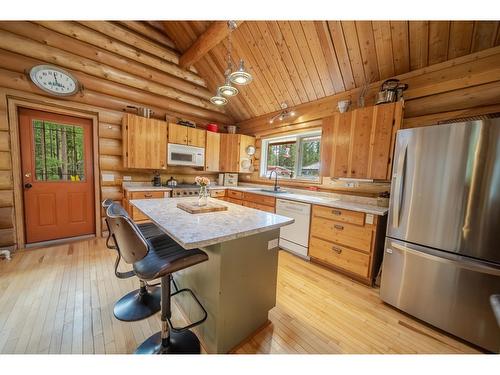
x=54, y=80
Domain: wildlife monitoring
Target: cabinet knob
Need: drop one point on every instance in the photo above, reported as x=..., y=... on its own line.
x=148, y=195
x=338, y=250
x=339, y=227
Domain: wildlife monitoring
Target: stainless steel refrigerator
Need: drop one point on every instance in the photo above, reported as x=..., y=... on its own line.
x=442, y=250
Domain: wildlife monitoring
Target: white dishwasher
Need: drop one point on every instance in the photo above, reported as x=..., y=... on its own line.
x=295, y=237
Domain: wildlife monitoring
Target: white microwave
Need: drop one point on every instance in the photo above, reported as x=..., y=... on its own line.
x=185, y=155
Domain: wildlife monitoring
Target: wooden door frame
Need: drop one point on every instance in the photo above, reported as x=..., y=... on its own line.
x=13, y=105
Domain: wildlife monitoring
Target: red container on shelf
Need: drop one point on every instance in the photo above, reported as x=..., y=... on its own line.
x=212, y=128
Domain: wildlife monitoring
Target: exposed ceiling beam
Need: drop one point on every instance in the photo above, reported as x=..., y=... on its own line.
x=215, y=33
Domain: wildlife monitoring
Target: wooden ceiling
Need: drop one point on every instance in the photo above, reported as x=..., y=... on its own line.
x=302, y=61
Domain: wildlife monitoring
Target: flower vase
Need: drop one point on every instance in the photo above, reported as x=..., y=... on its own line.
x=203, y=196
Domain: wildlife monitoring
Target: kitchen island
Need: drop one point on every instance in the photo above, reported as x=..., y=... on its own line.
x=237, y=285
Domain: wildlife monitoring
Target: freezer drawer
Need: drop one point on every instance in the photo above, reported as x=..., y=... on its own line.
x=448, y=291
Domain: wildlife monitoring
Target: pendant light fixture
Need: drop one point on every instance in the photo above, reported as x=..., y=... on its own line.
x=241, y=76
x=227, y=89
x=238, y=77
x=218, y=99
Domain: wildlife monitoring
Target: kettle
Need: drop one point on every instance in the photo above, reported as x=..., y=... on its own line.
x=172, y=182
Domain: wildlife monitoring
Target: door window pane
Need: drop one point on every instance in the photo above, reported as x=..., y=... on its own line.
x=282, y=158
x=59, y=152
x=309, y=154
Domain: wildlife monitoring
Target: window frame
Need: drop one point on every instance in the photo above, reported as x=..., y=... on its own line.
x=297, y=138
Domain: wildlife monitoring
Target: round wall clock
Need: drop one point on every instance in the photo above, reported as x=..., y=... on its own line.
x=54, y=80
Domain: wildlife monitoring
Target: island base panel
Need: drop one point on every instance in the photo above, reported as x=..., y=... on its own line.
x=237, y=287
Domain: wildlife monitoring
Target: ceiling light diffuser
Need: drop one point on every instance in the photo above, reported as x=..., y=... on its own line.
x=241, y=76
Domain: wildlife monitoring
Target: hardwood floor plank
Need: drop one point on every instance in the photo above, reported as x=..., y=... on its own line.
x=60, y=300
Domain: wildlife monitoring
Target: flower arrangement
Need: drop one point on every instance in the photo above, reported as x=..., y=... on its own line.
x=202, y=181
x=203, y=194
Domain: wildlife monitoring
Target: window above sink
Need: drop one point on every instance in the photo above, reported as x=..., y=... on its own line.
x=294, y=157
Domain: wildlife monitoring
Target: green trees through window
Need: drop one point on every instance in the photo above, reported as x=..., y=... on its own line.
x=58, y=152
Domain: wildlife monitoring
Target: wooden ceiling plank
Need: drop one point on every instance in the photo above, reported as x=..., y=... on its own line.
x=484, y=35
x=383, y=47
x=354, y=51
x=368, y=51
x=268, y=96
x=460, y=38
x=270, y=50
x=266, y=66
x=318, y=56
x=400, y=46
x=338, y=40
x=328, y=49
x=175, y=30
x=305, y=52
x=294, y=50
x=439, y=36
x=149, y=31
x=217, y=32
x=419, y=44
x=286, y=58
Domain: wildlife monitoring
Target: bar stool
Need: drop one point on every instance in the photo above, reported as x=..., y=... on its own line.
x=143, y=302
x=158, y=258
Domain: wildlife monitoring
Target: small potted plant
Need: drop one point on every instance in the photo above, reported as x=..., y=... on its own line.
x=203, y=182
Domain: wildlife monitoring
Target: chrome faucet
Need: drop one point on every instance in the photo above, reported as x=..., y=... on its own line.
x=276, y=187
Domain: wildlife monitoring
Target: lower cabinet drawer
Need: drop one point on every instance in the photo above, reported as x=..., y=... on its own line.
x=146, y=194
x=340, y=256
x=217, y=193
x=260, y=199
x=235, y=194
x=138, y=215
x=342, y=233
x=337, y=214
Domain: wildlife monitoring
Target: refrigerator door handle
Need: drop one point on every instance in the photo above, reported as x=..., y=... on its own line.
x=457, y=261
x=398, y=179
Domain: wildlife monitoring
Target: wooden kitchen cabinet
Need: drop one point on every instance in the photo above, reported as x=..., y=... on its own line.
x=212, y=152
x=184, y=135
x=144, y=142
x=134, y=213
x=233, y=155
x=347, y=241
x=360, y=143
x=252, y=200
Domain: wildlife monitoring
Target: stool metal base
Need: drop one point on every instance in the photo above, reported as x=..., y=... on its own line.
x=136, y=306
x=184, y=342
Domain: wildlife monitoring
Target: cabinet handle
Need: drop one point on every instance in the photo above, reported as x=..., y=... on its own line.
x=337, y=212
x=338, y=250
x=148, y=195
x=339, y=227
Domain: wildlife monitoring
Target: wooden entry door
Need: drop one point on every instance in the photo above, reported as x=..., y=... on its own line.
x=57, y=174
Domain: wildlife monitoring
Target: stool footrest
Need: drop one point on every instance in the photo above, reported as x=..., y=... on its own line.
x=189, y=326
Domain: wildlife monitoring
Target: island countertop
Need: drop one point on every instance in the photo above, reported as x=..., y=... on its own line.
x=205, y=229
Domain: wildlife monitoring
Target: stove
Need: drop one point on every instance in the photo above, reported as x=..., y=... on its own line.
x=185, y=191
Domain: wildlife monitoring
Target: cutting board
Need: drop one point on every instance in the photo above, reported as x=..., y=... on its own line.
x=193, y=208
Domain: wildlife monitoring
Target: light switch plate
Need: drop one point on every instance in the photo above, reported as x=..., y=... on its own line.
x=127, y=178
x=272, y=244
x=369, y=219
x=108, y=177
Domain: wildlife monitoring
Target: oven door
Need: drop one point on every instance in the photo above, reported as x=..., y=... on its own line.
x=185, y=155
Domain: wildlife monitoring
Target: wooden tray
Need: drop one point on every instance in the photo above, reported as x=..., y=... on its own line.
x=193, y=208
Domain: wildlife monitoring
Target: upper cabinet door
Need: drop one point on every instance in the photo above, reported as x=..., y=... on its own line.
x=212, y=152
x=196, y=137
x=360, y=143
x=229, y=152
x=177, y=134
x=144, y=142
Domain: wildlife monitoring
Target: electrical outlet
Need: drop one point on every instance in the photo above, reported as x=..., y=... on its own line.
x=272, y=244
x=127, y=178
x=108, y=177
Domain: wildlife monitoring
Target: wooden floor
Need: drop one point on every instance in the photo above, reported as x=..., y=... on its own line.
x=60, y=300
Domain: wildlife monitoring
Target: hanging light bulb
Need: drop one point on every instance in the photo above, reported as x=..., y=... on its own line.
x=227, y=89
x=241, y=76
x=218, y=99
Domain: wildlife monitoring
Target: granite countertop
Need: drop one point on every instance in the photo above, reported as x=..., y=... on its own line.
x=200, y=230
x=326, y=199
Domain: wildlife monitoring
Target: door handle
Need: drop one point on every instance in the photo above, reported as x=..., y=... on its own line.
x=337, y=212
x=338, y=250
x=398, y=187
x=28, y=185
x=339, y=227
